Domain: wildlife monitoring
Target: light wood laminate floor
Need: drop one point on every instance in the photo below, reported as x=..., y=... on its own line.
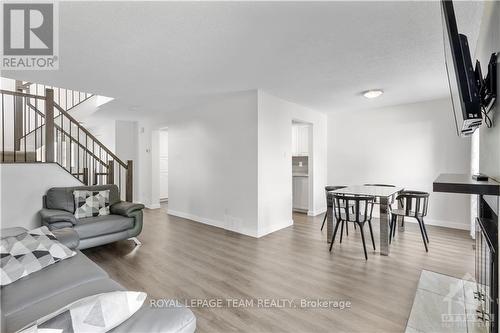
x=183, y=259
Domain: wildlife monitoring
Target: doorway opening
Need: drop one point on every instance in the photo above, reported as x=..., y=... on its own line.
x=163, y=168
x=302, y=166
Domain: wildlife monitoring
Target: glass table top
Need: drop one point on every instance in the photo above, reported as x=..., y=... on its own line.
x=376, y=191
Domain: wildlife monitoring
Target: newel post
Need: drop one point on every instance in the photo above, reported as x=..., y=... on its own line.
x=86, y=176
x=49, y=125
x=129, y=185
x=111, y=172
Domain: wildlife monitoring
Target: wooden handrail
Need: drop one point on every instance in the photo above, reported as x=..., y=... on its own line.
x=41, y=114
x=52, y=125
x=83, y=100
x=20, y=94
x=81, y=145
x=84, y=130
x=62, y=112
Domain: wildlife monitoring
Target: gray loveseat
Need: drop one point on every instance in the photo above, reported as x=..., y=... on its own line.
x=124, y=221
x=43, y=292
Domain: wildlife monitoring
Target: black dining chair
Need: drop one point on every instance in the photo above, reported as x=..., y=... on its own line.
x=363, y=208
x=329, y=203
x=415, y=204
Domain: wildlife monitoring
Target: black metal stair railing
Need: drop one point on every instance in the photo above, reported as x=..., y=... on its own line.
x=67, y=99
x=35, y=128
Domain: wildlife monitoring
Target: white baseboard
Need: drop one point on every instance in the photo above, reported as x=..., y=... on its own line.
x=316, y=212
x=267, y=231
x=214, y=223
x=153, y=206
x=442, y=223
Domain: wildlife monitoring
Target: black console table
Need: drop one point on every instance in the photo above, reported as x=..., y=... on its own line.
x=486, y=259
x=462, y=183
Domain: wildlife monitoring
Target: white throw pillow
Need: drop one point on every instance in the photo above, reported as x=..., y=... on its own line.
x=98, y=313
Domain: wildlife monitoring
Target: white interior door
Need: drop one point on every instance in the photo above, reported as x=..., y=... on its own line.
x=163, y=165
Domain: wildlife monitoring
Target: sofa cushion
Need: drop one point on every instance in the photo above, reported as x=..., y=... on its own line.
x=62, y=197
x=102, y=225
x=52, y=280
x=68, y=237
x=18, y=319
x=90, y=204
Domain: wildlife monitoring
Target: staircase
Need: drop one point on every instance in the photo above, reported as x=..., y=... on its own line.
x=37, y=127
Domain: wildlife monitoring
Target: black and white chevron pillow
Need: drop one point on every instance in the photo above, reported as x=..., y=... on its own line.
x=91, y=203
x=29, y=252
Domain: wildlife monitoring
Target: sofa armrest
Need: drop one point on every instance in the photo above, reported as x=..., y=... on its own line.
x=12, y=232
x=68, y=237
x=125, y=208
x=50, y=216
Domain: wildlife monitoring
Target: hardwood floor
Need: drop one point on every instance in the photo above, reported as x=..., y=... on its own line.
x=186, y=260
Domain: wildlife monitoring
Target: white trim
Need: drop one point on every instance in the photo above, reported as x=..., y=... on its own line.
x=153, y=206
x=442, y=223
x=316, y=212
x=214, y=223
x=267, y=231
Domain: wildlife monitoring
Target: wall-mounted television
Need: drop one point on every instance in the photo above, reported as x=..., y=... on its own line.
x=461, y=77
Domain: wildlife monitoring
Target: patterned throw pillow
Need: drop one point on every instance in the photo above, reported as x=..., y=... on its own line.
x=97, y=314
x=91, y=203
x=29, y=252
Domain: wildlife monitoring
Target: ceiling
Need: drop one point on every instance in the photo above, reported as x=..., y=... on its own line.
x=157, y=57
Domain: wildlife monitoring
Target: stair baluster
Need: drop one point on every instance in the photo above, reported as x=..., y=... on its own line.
x=35, y=128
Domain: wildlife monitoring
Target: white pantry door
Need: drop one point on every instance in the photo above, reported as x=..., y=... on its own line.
x=163, y=165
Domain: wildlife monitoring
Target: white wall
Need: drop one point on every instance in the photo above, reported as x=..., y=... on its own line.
x=21, y=200
x=275, y=118
x=103, y=129
x=144, y=166
x=489, y=138
x=489, y=42
x=407, y=145
x=489, y=142
x=154, y=200
x=126, y=148
x=213, y=162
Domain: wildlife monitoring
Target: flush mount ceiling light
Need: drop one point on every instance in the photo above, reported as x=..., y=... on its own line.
x=374, y=93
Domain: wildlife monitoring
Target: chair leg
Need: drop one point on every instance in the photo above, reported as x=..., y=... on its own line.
x=391, y=227
x=324, y=220
x=390, y=231
x=363, y=239
x=347, y=228
x=423, y=234
x=395, y=226
x=334, y=233
x=425, y=229
x=371, y=234
x=341, y=231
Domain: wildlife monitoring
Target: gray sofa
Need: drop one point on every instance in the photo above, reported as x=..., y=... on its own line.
x=45, y=291
x=125, y=220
